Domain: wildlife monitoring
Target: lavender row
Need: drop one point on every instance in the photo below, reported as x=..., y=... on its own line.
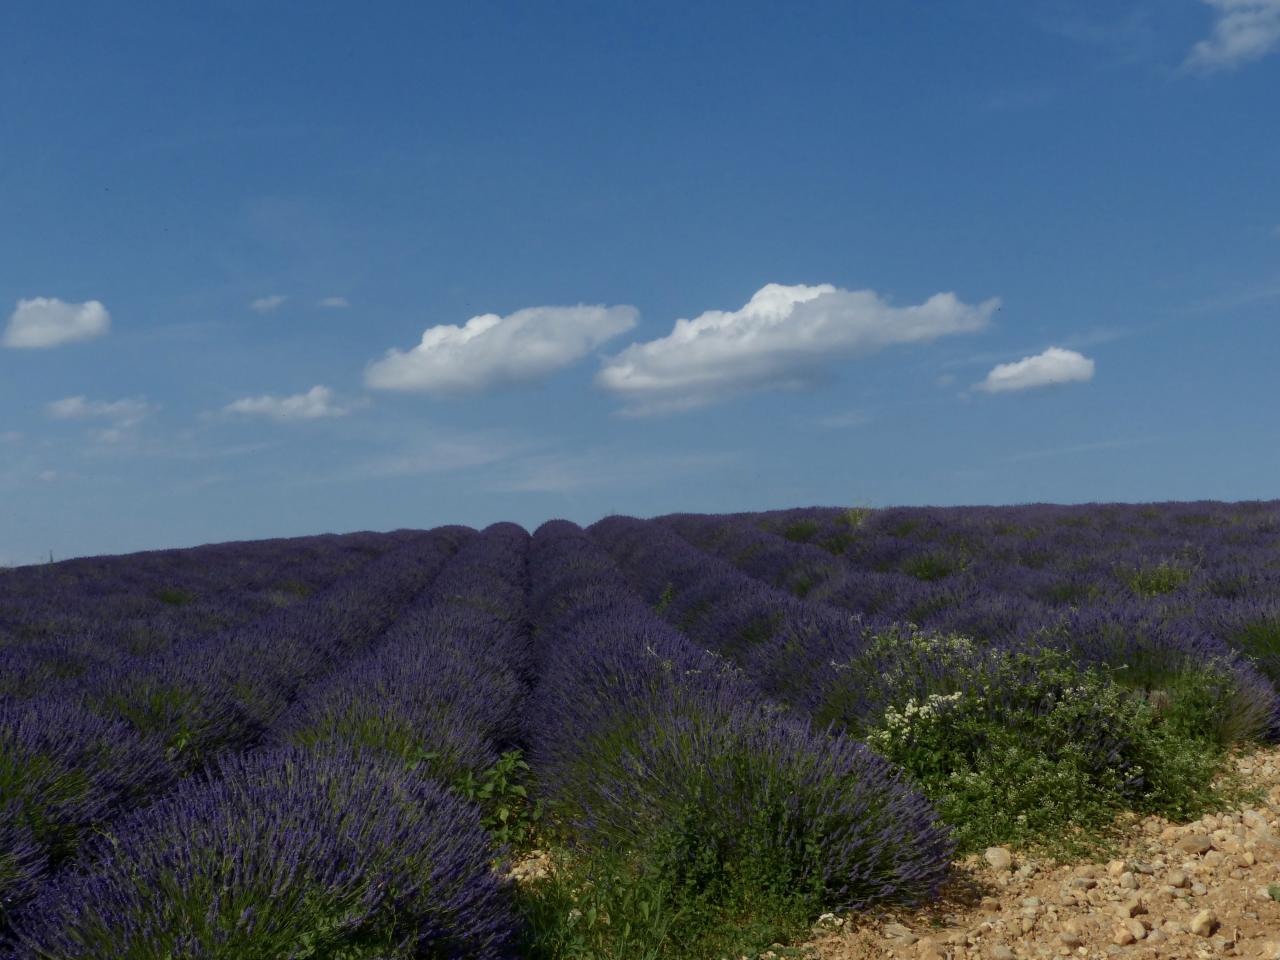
x=64, y=637
x=446, y=684
x=798, y=648
x=71, y=763
x=646, y=743
x=785, y=645
x=1094, y=605
x=407, y=867
x=140, y=599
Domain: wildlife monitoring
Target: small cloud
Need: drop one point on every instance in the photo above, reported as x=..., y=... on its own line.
x=841, y=421
x=1054, y=366
x=123, y=413
x=946, y=379
x=47, y=476
x=316, y=403
x=488, y=349
x=48, y=322
x=783, y=337
x=1245, y=30
x=268, y=304
x=334, y=303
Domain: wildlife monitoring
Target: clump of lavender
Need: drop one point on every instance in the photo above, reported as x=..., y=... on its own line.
x=285, y=854
x=664, y=754
x=63, y=772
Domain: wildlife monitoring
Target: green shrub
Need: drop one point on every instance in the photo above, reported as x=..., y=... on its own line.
x=1030, y=749
x=931, y=566
x=1155, y=580
x=1260, y=640
x=802, y=531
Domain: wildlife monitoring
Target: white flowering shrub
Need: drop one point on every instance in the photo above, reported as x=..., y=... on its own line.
x=1023, y=747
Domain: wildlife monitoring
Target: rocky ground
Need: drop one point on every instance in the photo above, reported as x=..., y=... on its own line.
x=1195, y=890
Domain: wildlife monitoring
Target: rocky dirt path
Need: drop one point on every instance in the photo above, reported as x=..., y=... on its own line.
x=1197, y=890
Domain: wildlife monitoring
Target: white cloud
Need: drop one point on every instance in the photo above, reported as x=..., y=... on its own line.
x=49, y=322
x=121, y=416
x=1053, y=366
x=841, y=421
x=1245, y=30
x=268, y=304
x=334, y=303
x=785, y=336
x=123, y=413
x=490, y=349
x=316, y=403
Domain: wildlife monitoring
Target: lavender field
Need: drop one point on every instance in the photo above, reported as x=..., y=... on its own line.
x=714, y=728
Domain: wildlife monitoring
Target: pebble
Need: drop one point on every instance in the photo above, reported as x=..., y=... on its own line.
x=999, y=857
x=1130, y=908
x=1196, y=843
x=1001, y=952
x=896, y=931
x=1204, y=923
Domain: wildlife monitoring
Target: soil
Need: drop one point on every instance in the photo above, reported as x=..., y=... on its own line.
x=1196, y=890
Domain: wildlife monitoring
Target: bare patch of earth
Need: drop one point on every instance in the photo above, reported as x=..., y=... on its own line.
x=1197, y=890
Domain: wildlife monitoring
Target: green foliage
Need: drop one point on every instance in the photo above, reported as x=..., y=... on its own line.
x=837, y=543
x=174, y=596
x=40, y=787
x=674, y=901
x=1273, y=891
x=1260, y=640
x=664, y=600
x=802, y=531
x=855, y=517
x=1030, y=749
x=1155, y=580
x=931, y=566
x=507, y=812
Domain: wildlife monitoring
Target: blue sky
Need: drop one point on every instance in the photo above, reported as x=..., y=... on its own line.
x=274, y=269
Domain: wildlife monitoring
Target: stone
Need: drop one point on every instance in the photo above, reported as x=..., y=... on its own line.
x=1068, y=939
x=1130, y=908
x=1176, y=878
x=1196, y=843
x=1255, y=821
x=1136, y=928
x=1122, y=937
x=896, y=931
x=999, y=857
x=1203, y=923
x=1128, y=881
x=1116, y=868
x=1001, y=952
